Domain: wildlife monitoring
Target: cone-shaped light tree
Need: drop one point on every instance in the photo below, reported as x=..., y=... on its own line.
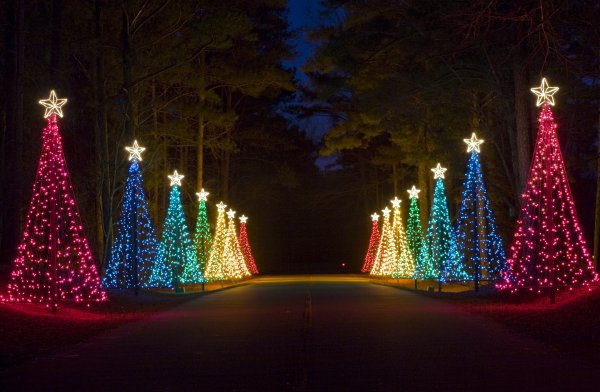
x=438, y=258
x=202, y=237
x=387, y=254
x=405, y=264
x=549, y=251
x=414, y=231
x=177, y=264
x=214, y=266
x=373, y=244
x=245, y=246
x=54, y=262
x=134, y=248
x=479, y=245
x=234, y=266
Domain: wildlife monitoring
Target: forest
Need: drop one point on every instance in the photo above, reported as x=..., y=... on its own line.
x=203, y=86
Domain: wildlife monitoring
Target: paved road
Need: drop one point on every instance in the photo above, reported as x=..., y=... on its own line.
x=306, y=334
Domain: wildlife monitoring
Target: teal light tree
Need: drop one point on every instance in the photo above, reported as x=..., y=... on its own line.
x=414, y=231
x=479, y=245
x=177, y=264
x=438, y=258
x=134, y=248
x=202, y=236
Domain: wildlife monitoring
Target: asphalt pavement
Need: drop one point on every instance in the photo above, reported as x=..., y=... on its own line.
x=319, y=333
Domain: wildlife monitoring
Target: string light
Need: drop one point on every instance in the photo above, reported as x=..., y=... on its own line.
x=245, y=246
x=54, y=262
x=544, y=93
x=134, y=249
x=202, y=236
x=549, y=251
x=478, y=243
x=373, y=244
x=414, y=231
x=387, y=253
x=405, y=264
x=231, y=257
x=177, y=264
x=214, y=266
x=135, y=151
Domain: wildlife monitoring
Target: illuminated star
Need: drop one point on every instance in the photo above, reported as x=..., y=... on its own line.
x=202, y=195
x=438, y=171
x=175, y=178
x=53, y=105
x=473, y=143
x=375, y=217
x=386, y=212
x=544, y=93
x=221, y=206
x=135, y=151
x=231, y=214
x=413, y=193
x=396, y=202
x=243, y=219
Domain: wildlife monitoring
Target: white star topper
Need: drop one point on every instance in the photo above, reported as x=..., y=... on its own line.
x=438, y=171
x=375, y=217
x=135, y=151
x=473, y=143
x=243, y=219
x=396, y=202
x=231, y=214
x=386, y=212
x=53, y=105
x=544, y=93
x=413, y=193
x=175, y=178
x=221, y=206
x=202, y=195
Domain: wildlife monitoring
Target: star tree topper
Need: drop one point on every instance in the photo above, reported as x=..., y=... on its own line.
x=375, y=217
x=176, y=178
x=473, y=143
x=544, y=93
x=243, y=219
x=438, y=171
x=396, y=202
x=135, y=151
x=202, y=195
x=413, y=193
x=53, y=105
x=386, y=212
x=221, y=206
x=231, y=214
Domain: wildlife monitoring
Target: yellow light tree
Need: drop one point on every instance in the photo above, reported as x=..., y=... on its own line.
x=232, y=258
x=214, y=267
x=387, y=253
x=405, y=264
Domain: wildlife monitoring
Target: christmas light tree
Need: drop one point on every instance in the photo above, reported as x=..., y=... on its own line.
x=373, y=244
x=438, y=258
x=245, y=246
x=414, y=231
x=202, y=237
x=405, y=264
x=134, y=248
x=177, y=264
x=479, y=245
x=54, y=262
x=387, y=254
x=232, y=259
x=214, y=266
x=549, y=251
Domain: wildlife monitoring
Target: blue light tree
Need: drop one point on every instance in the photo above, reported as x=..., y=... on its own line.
x=479, y=245
x=134, y=248
x=177, y=263
x=438, y=258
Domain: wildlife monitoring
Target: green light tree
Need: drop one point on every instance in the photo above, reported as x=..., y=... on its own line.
x=202, y=236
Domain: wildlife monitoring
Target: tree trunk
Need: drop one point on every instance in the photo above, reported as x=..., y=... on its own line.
x=55, y=41
x=423, y=180
x=226, y=164
x=395, y=178
x=201, y=123
x=597, y=212
x=522, y=99
x=126, y=57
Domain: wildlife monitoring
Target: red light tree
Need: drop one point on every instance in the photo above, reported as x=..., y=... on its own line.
x=373, y=244
x=549, y=251
x=245, y=246
x=54, y=262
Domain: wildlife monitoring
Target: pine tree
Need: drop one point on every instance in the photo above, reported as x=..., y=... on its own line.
x=54, y=262
x=202, y=237
x=214, y=266
x=134, y=248
x=245, y=246
x=414, y=232
x=549, y=251
x=479, y=245
x=405, y=264
x=177, y=264
x=373, y=244
x=438, y=258
x=387, y=254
